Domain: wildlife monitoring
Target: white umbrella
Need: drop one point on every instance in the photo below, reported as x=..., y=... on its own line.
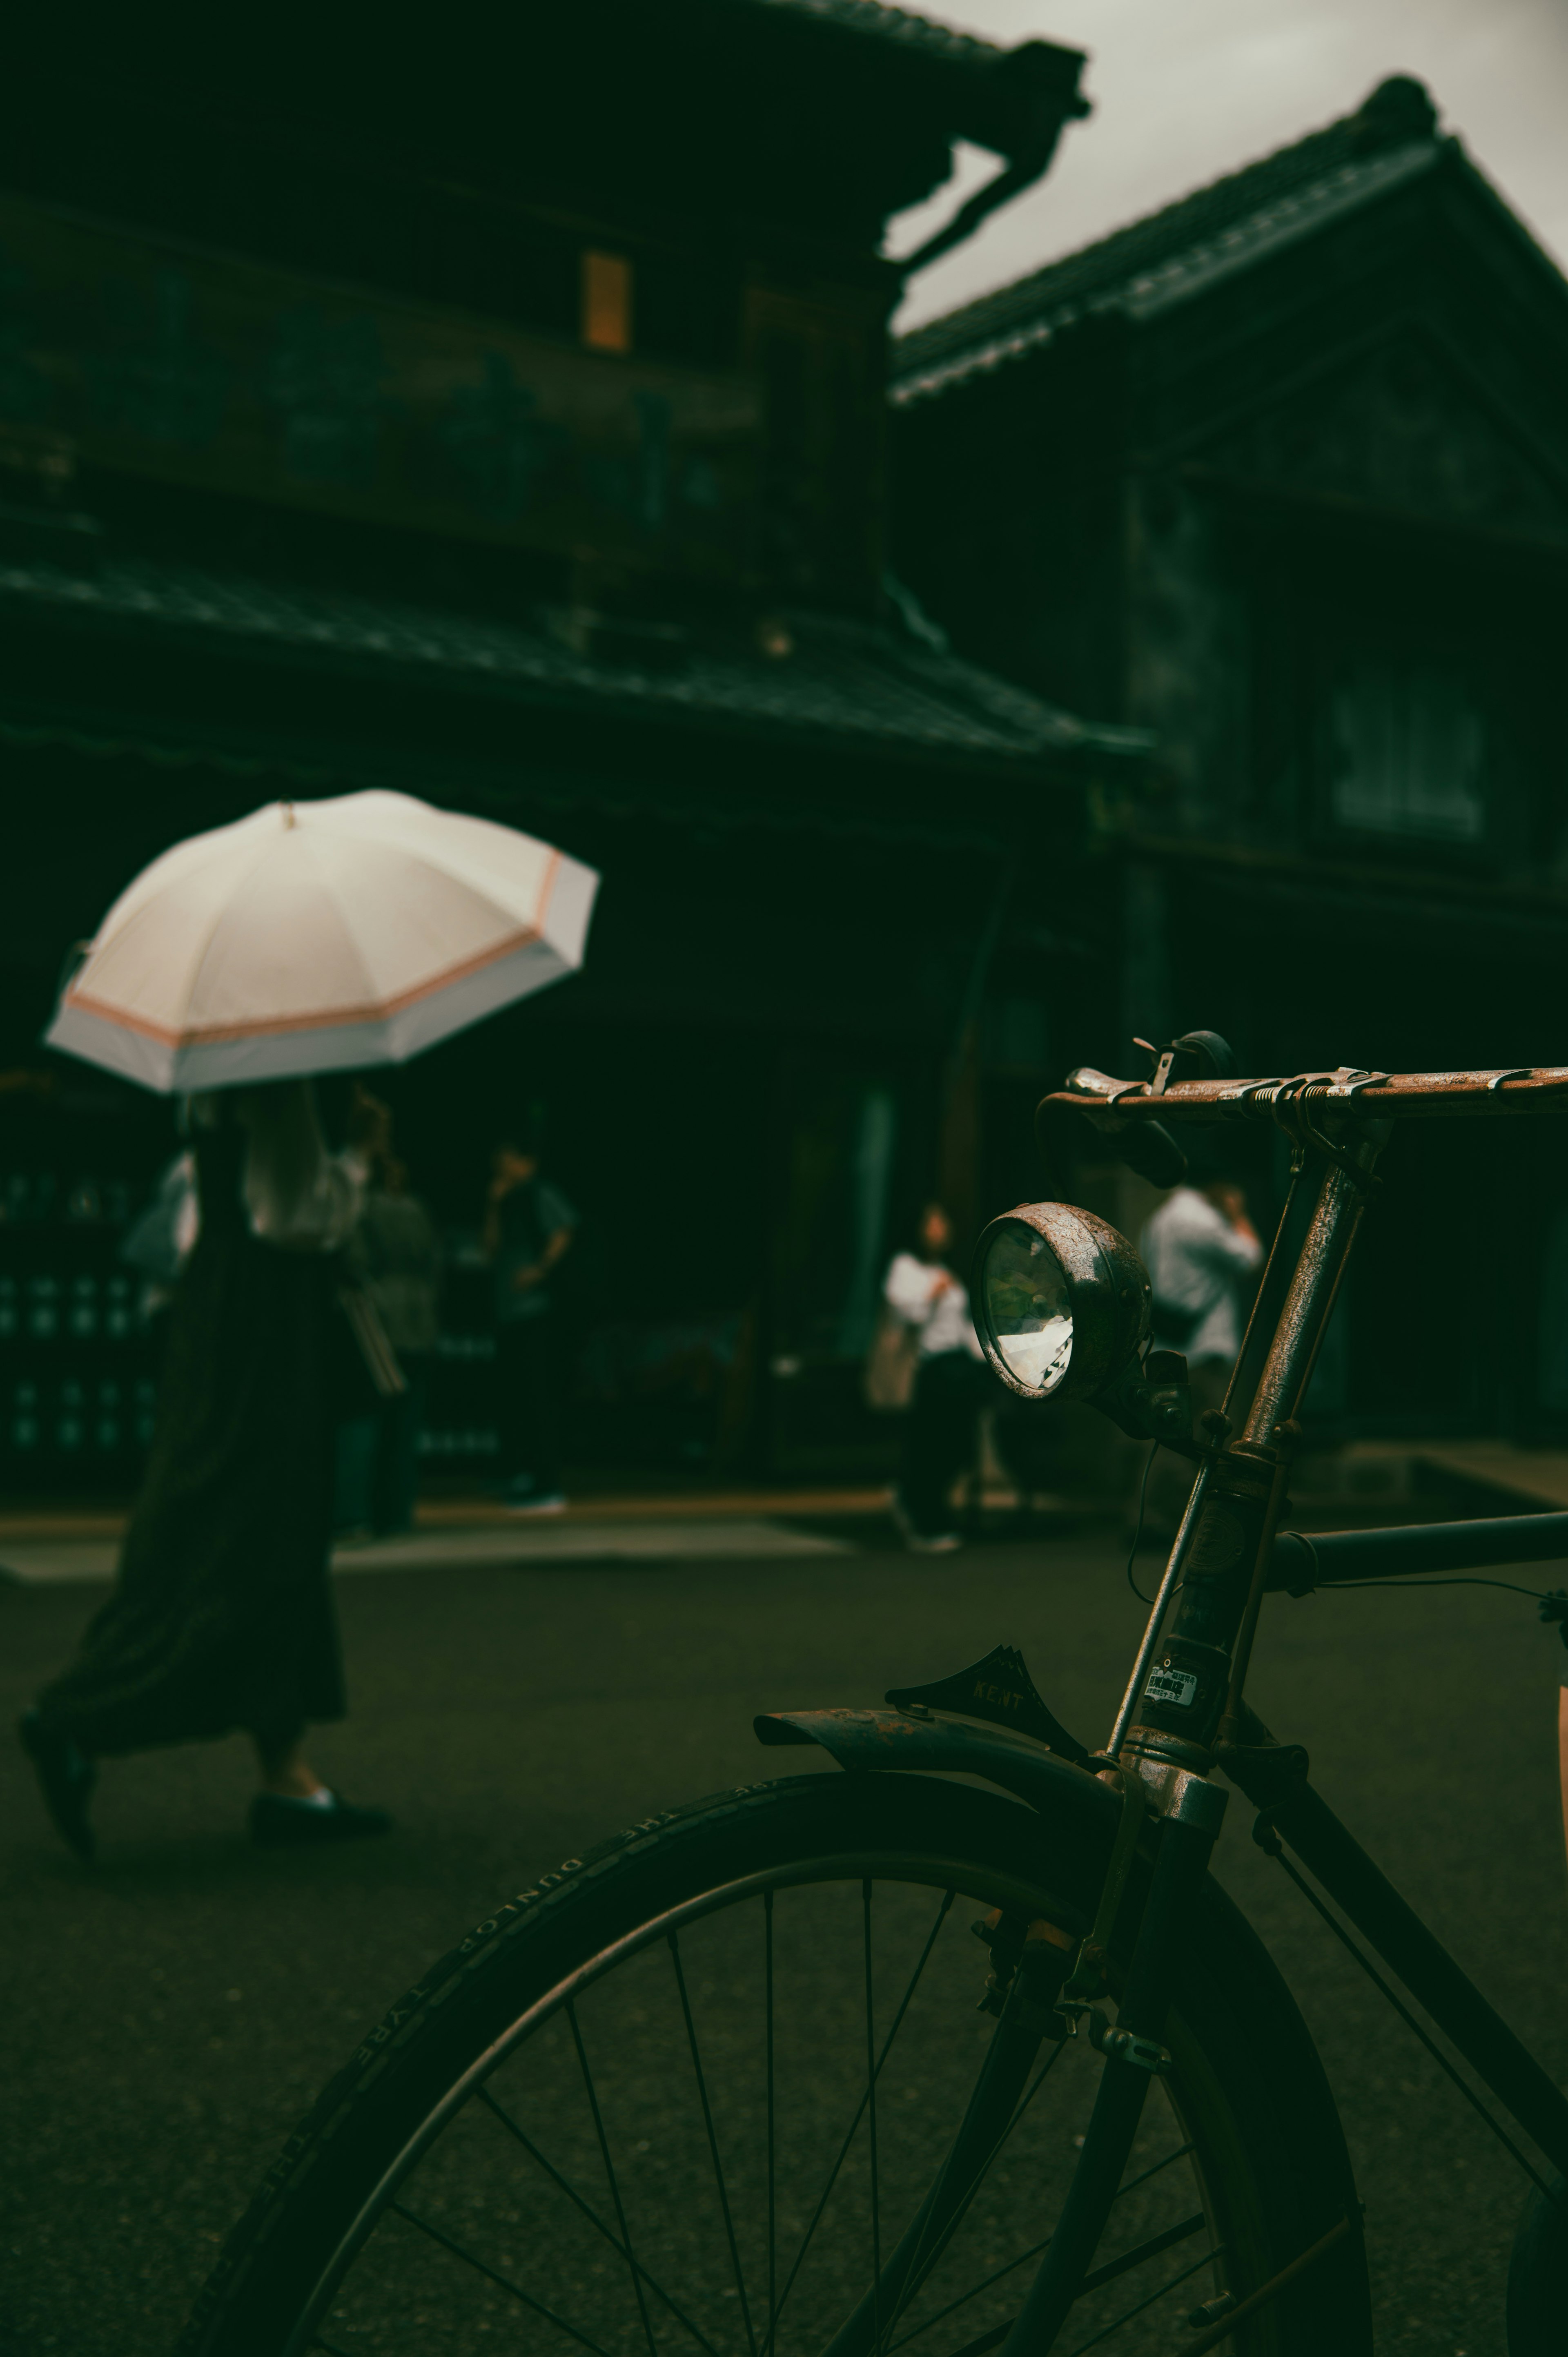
x=318, y=937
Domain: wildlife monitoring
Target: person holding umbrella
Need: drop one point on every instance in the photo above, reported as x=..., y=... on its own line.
x=307, y=937
x=222, y=1615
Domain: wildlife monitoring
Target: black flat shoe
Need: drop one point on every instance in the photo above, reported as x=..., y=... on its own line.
x=279, y=1823
x=66, y=1778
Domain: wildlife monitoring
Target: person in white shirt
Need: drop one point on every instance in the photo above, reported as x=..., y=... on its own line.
x=1201, y=1251
x=941, y=1423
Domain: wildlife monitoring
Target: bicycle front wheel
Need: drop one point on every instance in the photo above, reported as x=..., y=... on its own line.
x=690, y=2093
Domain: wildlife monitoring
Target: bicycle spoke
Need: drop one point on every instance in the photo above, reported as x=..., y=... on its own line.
x=712, y=2142
x=1155, y=2168
x=592, y=2215
x=614, y=2182
x=991, y=2340
x=516, y=2290
x=925, y=2264
x=843, y=2149
x=973, y=2293
x=871, y=2121
x=772, y=2153
x=1107, y=2330
x=984, y=2284
x=1141, y=2251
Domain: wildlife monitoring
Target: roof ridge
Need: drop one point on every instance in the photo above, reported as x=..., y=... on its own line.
x=885, y=23
x=1399, y=115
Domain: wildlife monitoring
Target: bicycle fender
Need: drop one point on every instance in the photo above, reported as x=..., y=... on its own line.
x=864, y=1740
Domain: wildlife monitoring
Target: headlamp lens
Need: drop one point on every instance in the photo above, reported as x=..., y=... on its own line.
x=1029, y=1308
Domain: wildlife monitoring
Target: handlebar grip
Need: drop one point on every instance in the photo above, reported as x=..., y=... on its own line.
x=1148, y=1148
x=1215, y=1057
x=1145, y=1147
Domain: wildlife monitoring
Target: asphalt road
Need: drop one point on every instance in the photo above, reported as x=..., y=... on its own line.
x=169, y=2012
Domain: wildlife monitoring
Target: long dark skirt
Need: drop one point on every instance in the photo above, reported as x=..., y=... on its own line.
x=222, y=1613
x=941, y=1432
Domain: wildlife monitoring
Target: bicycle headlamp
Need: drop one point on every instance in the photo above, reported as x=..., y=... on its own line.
x=1061, y=1301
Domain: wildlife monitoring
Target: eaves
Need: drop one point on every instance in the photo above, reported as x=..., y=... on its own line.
x=1197, y=269
x=880, y=711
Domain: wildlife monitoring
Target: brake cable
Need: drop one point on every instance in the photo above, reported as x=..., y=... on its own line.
x=1138, y=1526
x=1557, y=1597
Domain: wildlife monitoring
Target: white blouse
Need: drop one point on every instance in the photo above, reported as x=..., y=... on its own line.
x=914, y=1290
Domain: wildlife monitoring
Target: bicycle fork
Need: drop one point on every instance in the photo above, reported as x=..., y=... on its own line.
x=1036, y=2010
x=1177, y=1713
x=1029, y=2018
x=1134, y=2053
x=1192, y=1699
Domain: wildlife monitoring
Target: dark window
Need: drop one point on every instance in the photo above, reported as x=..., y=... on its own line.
x=1407, y=748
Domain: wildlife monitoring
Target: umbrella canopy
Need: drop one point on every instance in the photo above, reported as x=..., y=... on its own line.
x=319, y=937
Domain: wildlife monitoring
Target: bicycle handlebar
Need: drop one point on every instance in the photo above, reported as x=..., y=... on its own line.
x=1345, y=1092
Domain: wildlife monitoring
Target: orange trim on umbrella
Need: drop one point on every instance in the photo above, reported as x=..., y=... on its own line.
x=219, y=1034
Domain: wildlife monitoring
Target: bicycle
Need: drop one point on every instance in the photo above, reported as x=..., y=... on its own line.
x=723, y=2082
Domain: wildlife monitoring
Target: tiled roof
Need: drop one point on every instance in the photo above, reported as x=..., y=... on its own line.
x=1172, y=253
x=899, y=25
x=843, y=684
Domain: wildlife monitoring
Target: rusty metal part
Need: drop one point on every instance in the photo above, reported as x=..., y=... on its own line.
x=1232, y=1406
x=1152, y=1750
x=1163, y=1595
x=1181, y=1700
x=1292, y=1103
x=1193, y=1689
x=1348, y=1090
x=897, y=1742
x=1173, y=1790
x=1096, y=1093
x=1336, y=1217
x=1109, y=1288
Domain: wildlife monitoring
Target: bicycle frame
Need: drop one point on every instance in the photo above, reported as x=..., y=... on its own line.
x=1184, y=1712
x=1185, y=1715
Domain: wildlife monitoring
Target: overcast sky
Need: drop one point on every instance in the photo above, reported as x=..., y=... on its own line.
x=1186, y=90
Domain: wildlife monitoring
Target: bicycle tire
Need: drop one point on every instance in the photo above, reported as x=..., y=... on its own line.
x=1268, y=2143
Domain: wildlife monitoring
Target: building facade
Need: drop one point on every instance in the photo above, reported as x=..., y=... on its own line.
x=1281, y=475
x=502, y=419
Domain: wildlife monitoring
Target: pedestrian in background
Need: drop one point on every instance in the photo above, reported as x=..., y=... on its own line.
x=1200, y=1249
x=529, y=1226
x=222, y=1615
x=941, y=1423
x=394, y=1254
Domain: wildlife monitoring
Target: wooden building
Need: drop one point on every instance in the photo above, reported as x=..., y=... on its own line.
x=496, y=411
x=1281, y=474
